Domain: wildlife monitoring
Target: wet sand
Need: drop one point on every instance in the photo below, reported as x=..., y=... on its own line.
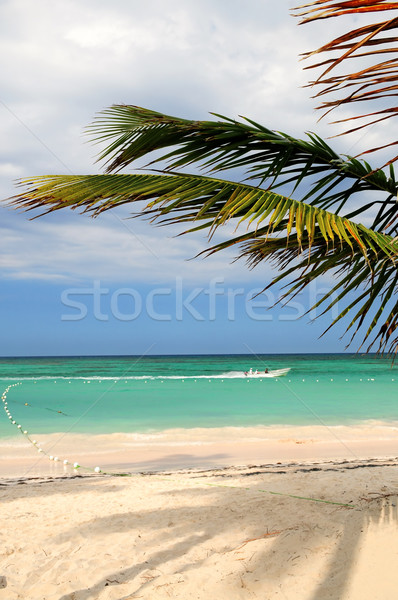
x=196, y=448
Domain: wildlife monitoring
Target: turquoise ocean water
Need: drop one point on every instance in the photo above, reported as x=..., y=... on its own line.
x=132, y=394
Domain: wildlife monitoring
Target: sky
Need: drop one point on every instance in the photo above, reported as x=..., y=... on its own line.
x=71, y=285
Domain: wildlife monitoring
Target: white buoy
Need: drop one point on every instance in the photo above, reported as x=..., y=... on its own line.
x=76, y=465
x=66, y=462
x=97, y=470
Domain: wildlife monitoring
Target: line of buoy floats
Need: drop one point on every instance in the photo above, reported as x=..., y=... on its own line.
x=35, y=443
x=247, y=379
x=76, y=465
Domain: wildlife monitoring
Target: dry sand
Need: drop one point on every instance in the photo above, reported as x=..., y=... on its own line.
x=197, y=534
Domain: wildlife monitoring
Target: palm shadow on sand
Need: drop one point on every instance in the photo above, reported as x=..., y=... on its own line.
x=269, y=553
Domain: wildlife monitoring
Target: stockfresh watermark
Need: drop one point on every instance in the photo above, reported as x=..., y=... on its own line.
x=178, y=301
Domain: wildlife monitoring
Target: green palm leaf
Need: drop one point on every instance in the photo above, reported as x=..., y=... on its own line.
x=322, y=241
x=271, y=159
x=186, y=198
x=301, y=235
x=371, y=278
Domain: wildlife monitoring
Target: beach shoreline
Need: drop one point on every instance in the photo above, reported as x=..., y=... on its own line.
x=203, y=448
x=229, y=471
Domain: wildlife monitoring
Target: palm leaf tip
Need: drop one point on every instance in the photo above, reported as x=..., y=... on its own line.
x=373, y=83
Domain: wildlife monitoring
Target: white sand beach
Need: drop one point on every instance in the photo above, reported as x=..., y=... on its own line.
x=230, y=534
x=296, y=528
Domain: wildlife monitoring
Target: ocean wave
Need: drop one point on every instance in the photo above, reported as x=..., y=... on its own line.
x=228, y=375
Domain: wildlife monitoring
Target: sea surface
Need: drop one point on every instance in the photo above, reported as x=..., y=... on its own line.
x=153, y=393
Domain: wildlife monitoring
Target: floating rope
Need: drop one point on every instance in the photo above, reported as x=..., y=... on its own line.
x=225, y=379
x=60, y=412
x=35, y=443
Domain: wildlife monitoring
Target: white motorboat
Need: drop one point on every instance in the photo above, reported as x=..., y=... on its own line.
x=261, y=374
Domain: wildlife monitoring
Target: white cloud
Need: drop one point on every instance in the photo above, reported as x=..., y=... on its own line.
x=8, y=169
x=111, y=249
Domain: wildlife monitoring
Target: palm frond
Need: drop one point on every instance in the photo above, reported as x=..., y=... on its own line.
x=374, y=82
x=274, y=160
x=303, y=237
x=325, y=9
x=181, y=198
x=373, y=281
x=319, y=240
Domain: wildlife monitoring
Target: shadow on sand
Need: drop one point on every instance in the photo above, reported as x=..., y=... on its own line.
x=270, y=554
